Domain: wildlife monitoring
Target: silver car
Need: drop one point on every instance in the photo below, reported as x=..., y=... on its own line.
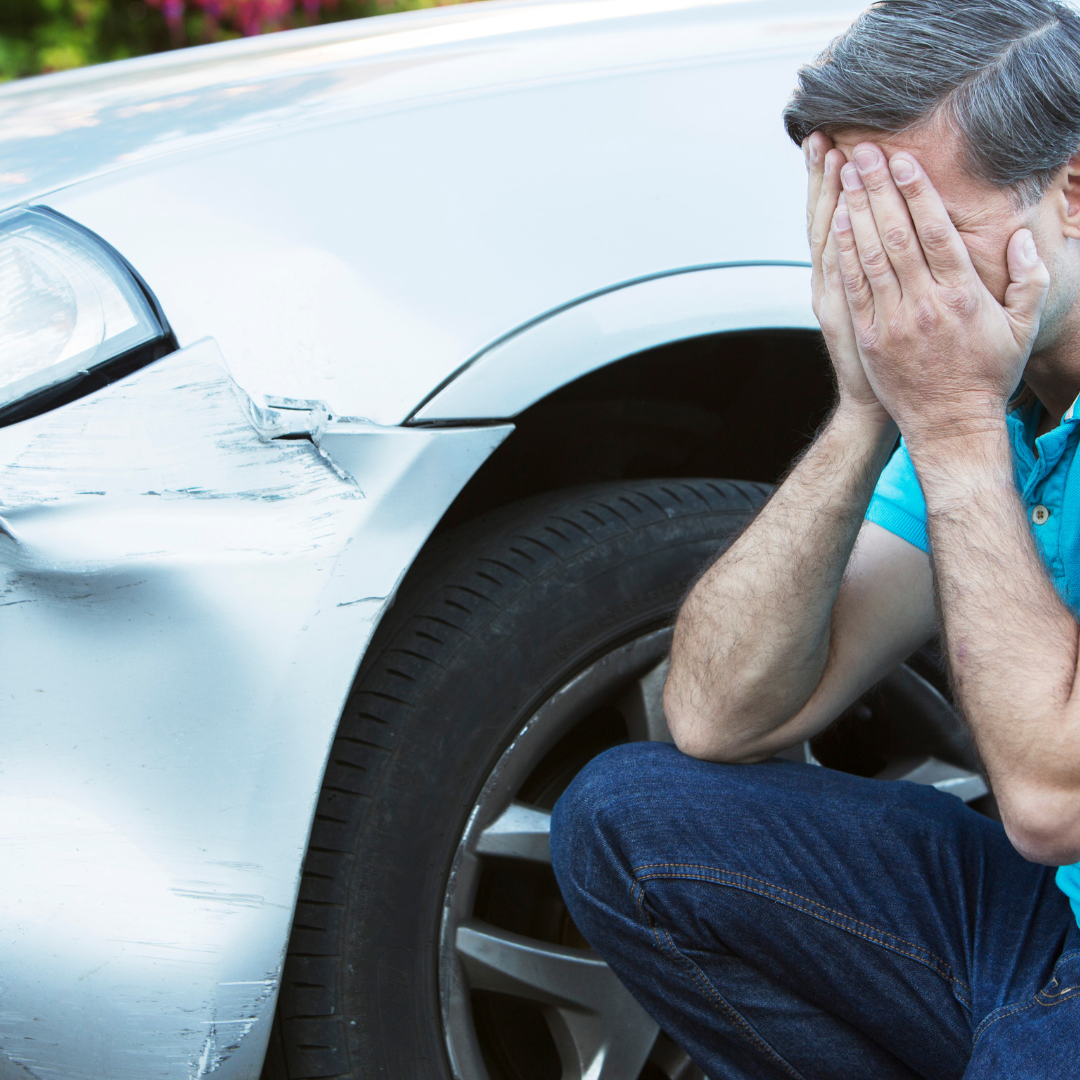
x=363, y=392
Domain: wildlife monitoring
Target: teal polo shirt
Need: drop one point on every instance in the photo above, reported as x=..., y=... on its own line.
x=1048, y=479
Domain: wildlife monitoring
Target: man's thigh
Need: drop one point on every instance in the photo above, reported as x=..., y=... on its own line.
x=798, y=921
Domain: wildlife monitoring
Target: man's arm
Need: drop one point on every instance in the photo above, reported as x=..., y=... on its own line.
x=945, y=355
x=771, y=643
x=789, y=626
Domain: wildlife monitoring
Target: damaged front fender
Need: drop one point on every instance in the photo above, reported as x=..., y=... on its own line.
x=183, y=604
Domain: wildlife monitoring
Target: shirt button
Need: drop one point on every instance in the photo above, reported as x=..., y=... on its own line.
x=1039, y=514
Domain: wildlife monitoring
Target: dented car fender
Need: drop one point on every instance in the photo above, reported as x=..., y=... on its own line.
x=185, y=599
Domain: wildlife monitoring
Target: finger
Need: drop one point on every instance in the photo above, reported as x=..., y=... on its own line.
x=857, y=289
x=945, y=252
x=875, y=262
x=833, y=283
x=815, y=148
x=1029, y=283
x=828, y=196
x=894, y=225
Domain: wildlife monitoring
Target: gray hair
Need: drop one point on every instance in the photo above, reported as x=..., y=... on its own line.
x=1004, y=73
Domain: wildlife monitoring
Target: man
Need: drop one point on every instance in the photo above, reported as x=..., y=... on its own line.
x=782, y=920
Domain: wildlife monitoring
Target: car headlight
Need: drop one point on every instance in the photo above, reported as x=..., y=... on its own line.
x=73, y=315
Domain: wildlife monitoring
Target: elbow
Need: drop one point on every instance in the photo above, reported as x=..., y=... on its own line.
x=709, y=737
x=1042, y=823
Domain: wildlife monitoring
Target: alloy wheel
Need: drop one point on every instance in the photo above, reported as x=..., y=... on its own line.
x=522, y=995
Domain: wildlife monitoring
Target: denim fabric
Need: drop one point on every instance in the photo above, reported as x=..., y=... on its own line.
x=786, y=920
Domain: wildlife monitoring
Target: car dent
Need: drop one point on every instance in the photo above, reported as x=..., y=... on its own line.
x=185, y=602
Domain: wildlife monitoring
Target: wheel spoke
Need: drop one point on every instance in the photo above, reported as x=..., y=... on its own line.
x=642, y=706
x=520, y=832
x=601, y=1033
x=962, y=783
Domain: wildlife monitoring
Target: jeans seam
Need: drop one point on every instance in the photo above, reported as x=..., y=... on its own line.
x=701, y=980
x=961, y=991
x=1066, y=992
x=1000, y=1014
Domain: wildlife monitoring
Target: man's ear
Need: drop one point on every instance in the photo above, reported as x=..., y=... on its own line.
x=1068, y=184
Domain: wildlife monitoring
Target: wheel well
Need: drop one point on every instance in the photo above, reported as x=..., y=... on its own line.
x=735, y=405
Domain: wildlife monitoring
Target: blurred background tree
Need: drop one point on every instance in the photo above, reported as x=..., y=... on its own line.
x=38, y=36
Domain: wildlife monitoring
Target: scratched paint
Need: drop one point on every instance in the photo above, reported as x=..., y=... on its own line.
x=183, y=602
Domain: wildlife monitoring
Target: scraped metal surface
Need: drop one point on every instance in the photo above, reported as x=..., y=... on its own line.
x=183, y=603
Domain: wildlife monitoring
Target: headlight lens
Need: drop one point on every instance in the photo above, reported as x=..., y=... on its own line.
x=70, y=308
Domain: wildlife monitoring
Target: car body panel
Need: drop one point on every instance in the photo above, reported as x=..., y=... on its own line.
x=183, y=606
x=475, y=212
x=527, y=365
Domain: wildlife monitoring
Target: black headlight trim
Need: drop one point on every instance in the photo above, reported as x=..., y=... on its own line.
x=111, y=370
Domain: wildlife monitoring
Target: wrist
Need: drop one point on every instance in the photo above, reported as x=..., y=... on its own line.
x=953, y=464
x=864, y=421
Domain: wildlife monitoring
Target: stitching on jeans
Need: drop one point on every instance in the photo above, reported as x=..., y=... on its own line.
x=699, y=978
x=824, y=907
x=750, y=1034
x=1066, y=991
x=1011, y=1010
x=1005, y=1011
x=815, y=903
x=944, y=971
x=1059, y=998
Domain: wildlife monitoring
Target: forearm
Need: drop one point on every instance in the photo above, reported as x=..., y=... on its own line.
x=1012, y=643
x=752, y=639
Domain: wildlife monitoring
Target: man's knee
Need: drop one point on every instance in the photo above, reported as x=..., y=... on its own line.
x=625, y=808
x=599, y=826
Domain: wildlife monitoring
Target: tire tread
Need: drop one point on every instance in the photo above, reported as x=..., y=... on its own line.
x=460, y=582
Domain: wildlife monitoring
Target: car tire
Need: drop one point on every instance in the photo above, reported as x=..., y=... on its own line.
x=496, y=619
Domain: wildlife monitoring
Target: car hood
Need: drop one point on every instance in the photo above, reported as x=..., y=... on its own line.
x=57, y=129
x=355, y=211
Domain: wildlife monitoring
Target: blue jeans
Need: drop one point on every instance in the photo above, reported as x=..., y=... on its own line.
x=786, y=920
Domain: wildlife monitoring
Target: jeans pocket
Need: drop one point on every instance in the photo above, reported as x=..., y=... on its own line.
x=1065, y=982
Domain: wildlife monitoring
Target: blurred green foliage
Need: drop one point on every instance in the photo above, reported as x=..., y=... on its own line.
x=53, y=35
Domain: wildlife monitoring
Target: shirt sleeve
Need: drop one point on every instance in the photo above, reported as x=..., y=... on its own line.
x=897, y=503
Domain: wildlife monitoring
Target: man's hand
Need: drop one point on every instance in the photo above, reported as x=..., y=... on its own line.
x=823, y=165
x=942, y=355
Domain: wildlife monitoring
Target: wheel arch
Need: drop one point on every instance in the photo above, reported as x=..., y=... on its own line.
x=737, y=405
x=706, y=371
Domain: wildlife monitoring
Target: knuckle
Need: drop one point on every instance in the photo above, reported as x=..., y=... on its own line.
x=914, y=188
x=875, y=181
x=875, y=259
x=926, y=316
x=857, y=199
x=897, y=239
x=845, y=244
x=959, y=300
x=854, y=282
x=935, y=235
x=868, y=337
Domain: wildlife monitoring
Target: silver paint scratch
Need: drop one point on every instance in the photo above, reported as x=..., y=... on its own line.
x=183, y=602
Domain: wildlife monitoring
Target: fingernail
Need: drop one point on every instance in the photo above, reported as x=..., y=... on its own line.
x=1028, y=250
x=867, y=160
x=842, y=220
x=902, y=170
x=815, y=153
x=849, y=174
